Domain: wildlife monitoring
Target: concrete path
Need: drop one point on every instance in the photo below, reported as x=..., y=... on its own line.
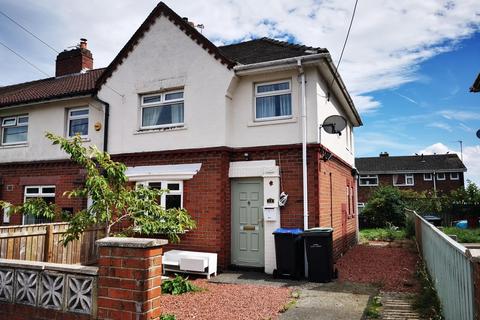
x=330, y=301
x=397, y=306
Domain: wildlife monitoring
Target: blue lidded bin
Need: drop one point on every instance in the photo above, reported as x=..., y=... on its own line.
x=290, y=254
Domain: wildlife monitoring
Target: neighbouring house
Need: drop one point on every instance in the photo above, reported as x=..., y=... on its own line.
x=222, y=127
x=440, y=173
x=476, y=85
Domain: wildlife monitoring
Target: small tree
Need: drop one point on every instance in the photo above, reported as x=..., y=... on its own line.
x=385, y=206
x=113, y=200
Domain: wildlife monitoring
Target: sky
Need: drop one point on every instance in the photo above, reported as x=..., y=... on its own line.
x=408, y=64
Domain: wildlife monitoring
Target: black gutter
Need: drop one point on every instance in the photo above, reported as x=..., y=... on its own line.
x=105, y=124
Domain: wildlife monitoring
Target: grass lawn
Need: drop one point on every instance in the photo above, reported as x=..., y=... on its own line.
x=464, y=235
x=382, y=234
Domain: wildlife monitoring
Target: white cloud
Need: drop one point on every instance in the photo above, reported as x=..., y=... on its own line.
x=460, y=115
x=440, y=125
x=388, y=39
x=471, y=158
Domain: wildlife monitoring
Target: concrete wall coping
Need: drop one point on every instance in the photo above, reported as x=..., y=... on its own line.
x=123, y=242
x=48, y=266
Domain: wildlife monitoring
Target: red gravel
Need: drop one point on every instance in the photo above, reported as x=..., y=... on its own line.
x=391, y=268
x=227, y=301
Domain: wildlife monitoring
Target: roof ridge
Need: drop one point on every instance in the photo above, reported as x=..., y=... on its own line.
x=292, y=45
x=162, y=9
x=49, y=78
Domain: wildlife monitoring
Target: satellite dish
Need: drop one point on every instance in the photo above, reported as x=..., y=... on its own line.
x=334, y=124
x=478, y=133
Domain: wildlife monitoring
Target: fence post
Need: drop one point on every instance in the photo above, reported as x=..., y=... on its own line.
x=47, y=246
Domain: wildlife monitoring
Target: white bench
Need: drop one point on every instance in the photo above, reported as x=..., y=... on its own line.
x=190, y=262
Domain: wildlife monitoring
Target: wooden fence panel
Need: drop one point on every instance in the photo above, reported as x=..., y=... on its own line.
x=450, y=268
x=43, y=242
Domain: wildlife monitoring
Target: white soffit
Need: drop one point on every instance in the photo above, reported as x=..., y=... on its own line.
x=163, y=172
x=261, y=168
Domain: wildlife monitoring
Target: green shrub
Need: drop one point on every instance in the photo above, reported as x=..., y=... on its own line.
x=386, y=205
x=167, y=317
x=178, y=285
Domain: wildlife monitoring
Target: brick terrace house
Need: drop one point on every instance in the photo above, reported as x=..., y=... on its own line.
x=439, y=173
x=223, y=128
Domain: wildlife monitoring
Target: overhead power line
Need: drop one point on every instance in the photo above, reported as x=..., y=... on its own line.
x=346, y=40
x=24, y=59
x=28, y=31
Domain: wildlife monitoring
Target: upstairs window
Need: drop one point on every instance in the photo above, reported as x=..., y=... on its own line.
x=427, y=177
x=403, y=179
x=441, y=176
x=273, y=100
x=162, y=110
x=45, y=192
x=78, y=122
x=368, y=180
x=14, y=130
x=454, y=176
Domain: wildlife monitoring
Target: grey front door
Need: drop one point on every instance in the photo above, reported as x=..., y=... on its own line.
x=247, y=223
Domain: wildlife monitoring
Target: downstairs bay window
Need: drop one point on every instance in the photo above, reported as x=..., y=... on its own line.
x=32, y=192
x=173, y=199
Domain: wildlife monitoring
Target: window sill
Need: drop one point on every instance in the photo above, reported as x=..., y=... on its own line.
x=271, y=122
x=12, y=146
x=146, y=131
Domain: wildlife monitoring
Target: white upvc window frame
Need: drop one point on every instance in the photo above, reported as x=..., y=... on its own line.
x=161, y=103
x=39, y=194
x=367, y=176
x=15, y=123
x=270, y=94
x=406, y=177
x=454, y=178
x=83, y=116
x=425, y=176
x=441, y=179
x=165, y=183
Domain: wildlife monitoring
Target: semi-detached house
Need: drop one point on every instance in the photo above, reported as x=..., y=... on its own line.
x=223, y=128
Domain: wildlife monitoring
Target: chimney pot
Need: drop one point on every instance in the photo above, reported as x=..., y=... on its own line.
x=384, y=154
x=83, y=43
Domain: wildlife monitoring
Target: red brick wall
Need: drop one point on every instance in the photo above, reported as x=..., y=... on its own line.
x=337, y=209
x=443, y=186
x=63, y=174
x=12, y=311
x=207, y=195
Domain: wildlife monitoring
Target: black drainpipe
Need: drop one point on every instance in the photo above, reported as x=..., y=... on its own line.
x=105, y=125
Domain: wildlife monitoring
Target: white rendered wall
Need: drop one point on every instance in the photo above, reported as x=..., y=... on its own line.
x=50, y=117
x=167, y=58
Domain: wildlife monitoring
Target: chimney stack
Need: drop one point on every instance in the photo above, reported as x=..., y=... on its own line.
x=75, y=60
x=384, y=154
